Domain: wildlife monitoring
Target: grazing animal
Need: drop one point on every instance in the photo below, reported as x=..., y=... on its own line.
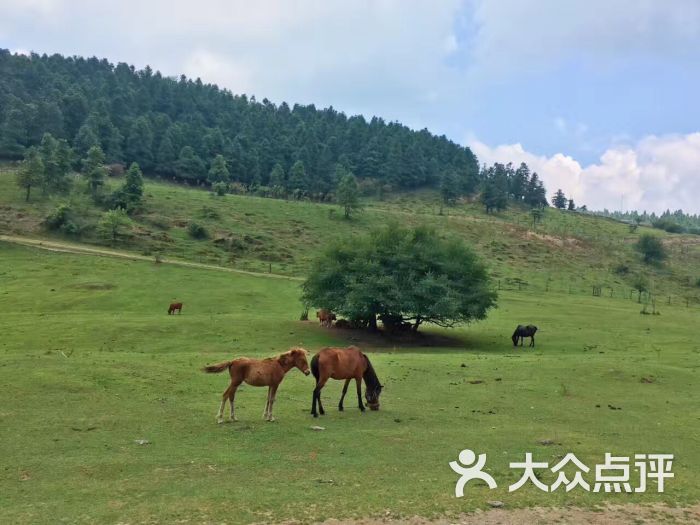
x=345, y=363
x=325, y=317
x=175, y=307
x=258, y=372
x=521, y=332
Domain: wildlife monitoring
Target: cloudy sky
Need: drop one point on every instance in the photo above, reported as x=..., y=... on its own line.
x=601, y=97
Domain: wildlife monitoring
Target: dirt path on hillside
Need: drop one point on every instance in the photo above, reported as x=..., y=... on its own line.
x=630, y=514
x=80, y=249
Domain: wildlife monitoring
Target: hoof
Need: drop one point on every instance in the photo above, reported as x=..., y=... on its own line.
x=232, y=419
x=315, y=415
x=340, y=409
x=219, y=420
x=271, y=420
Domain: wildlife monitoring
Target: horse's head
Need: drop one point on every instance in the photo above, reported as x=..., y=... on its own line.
x=298, y=357
x=372, y=396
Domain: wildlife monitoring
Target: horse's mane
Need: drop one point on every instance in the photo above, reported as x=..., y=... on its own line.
x=370, y=376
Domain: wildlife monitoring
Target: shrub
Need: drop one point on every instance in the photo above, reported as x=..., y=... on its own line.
x=621, y=269
x=62, y=219
x=197, y=231
x=209, y=213
x=652, y=249
x=237, y=188
x=220, y=188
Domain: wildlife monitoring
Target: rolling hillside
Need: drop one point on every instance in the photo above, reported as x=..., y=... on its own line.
x=566, y=252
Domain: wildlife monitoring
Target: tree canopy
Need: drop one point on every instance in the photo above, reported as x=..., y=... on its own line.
x=401, y=275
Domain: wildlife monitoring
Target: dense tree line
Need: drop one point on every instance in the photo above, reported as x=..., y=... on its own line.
x=201, y=134
x=670, y=221
x=502, y=183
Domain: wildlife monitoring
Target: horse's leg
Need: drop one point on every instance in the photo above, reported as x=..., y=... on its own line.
x=271, y=402
x=267, y=403
x=532, y=340
x=231, y=396
x=358, y=381
x=345, y=389
x=225, y=397
x=317, y=396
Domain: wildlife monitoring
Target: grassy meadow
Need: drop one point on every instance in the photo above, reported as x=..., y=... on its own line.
x=90, y=362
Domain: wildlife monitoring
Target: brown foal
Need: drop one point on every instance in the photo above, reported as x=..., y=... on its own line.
x=258, y=372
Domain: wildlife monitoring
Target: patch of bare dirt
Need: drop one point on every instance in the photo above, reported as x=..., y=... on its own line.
x=554, y=241
x=631, y=514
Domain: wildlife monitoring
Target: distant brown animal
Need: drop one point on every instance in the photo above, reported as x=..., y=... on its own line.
x=258, y=372
x=345, y=363
x=325, y=317
x=175, y=307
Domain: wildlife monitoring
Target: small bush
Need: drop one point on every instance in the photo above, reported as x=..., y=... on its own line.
x=621, y=269
x=220, y=188
x=652, y=249
x=209, y=213
x=197, y=231
x=237, y=188
x=62, y=219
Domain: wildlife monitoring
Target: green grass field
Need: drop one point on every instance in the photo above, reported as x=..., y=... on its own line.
x=90, y=362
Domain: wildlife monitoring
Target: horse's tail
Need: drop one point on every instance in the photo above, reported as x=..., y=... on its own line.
x=314, y=367
x=215, y=369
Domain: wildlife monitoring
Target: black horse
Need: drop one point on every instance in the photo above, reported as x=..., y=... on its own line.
x=521, y=332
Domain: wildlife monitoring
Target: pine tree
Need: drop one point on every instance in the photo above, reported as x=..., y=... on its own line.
x=559, y=200
x=218, y=171
x=347, y=193
x=571, y=206
x=449, y=188
x=298, y=181
x=139, y=143
x=133, y=185
x=189, y=165
x=95, y=171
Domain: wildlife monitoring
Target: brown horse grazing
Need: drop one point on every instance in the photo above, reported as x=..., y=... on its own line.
x=325, y=317
x=258, y=372
x=175, y=307
x=345, y=363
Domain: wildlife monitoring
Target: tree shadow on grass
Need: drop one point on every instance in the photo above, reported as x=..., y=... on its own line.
x=429, y=339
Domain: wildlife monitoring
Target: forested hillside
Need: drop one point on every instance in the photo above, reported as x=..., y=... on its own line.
x=176, y=127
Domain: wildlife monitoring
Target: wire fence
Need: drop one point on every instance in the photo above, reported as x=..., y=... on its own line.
x=651, y=299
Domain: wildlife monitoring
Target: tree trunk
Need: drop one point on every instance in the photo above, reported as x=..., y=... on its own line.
x=372, y=321
x=417, y=324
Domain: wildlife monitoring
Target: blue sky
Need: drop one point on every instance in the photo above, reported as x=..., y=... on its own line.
x=600, y=97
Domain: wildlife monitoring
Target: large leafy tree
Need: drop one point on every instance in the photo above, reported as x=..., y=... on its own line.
x=401, y=275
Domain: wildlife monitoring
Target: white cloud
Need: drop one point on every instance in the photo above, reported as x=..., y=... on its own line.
x=655, y=174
